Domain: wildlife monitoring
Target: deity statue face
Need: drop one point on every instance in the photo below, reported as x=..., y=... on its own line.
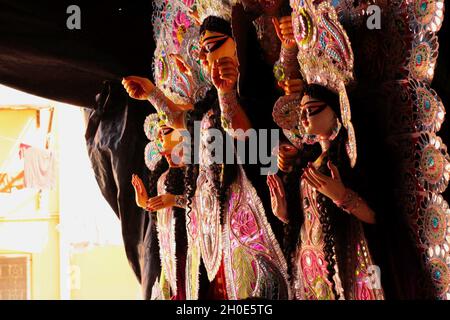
x=268, y=7
x=317, y=118
x=216, y=45
x=170, y=138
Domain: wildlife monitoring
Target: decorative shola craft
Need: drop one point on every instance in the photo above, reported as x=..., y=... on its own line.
x=335, y=83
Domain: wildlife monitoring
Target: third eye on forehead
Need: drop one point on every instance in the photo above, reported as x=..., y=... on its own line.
x=312, y=103
x=212, y=46
x=312, y=110
x=212, y=37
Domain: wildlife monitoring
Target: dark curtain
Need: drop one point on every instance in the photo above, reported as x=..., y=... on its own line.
x=115, y=142
x=41, y=56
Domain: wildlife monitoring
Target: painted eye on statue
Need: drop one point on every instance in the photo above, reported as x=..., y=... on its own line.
x=165, y=131
x=213, y=43
x=313, y=110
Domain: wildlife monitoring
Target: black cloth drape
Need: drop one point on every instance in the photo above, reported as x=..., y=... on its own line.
x=115, y=142
x=41, y=56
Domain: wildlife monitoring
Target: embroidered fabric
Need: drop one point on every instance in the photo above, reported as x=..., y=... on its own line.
x=165, y=226
x=254, y=263
x=193, y=257
x=310, y=267
x=311, y=273
x=207, y=206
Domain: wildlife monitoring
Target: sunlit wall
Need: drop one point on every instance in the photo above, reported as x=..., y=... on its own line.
x=70, y=236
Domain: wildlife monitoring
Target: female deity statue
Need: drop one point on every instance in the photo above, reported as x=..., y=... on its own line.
x=226, y=222
x=331, y=259
x=166, y=198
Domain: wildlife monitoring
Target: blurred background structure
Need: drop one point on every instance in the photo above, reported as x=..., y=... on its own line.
x=62, y=241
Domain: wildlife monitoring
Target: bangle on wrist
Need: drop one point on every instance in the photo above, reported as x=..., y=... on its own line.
x=288, y=55
x=180, y=201
x=159, y=102
x=287, y=65
x=350, y=202
x=228, y=105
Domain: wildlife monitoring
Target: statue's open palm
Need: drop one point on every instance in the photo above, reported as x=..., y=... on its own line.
x=278, y=197
x=140, y=192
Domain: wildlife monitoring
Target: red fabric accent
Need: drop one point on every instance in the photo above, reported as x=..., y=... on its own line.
x=218, y=287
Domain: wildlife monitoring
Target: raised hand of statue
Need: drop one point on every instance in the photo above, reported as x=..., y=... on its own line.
x=278, y=197
x=139, y=191
x=292, y=86
x=195, y=16
x=287, y=156
x=331, y=187
x=161, y=202
x=224, y=74
x=285, y=31
x=138, y=87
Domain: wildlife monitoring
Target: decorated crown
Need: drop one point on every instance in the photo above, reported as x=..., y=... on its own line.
x=176, y=32
x=326, y=58
x=152, y=155
x=325, y=53
x=218, y=8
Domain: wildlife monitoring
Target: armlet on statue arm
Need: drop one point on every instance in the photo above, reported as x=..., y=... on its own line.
x=228, y=105
x=287, y=66
x=161, y=103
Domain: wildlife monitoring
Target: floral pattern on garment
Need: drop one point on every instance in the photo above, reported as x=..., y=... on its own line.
x=254, y=263
x=165, y=227
x=310, y=266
